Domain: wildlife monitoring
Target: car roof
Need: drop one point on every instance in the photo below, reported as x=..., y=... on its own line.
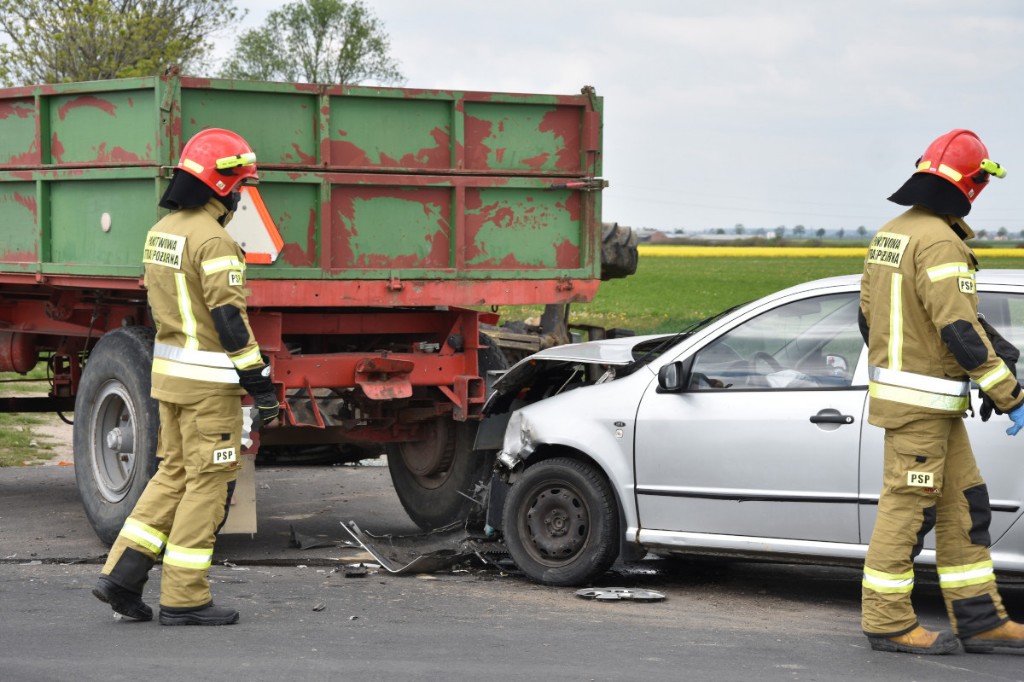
x=986, y=277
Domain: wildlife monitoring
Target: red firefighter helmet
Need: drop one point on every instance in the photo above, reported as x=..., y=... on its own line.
x=960, y=157
x=219, y=158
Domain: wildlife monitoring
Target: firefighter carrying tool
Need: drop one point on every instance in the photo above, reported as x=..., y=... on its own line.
x=205, y=358
x=919, y=317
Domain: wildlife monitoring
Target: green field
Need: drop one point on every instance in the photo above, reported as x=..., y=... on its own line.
x=668, y=293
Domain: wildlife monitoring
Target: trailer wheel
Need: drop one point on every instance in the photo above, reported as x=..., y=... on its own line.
x=436, y=477
x=561, y=523
x=116, y=424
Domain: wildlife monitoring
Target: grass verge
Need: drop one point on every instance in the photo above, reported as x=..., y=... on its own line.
x=20, y=441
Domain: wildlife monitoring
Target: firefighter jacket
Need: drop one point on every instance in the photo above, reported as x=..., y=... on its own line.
x=919, y=304
x=195, y=276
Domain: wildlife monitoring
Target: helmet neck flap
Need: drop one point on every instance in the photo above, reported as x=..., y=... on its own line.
x=932, y=192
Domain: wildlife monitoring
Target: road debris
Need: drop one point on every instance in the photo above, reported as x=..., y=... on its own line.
x=619, y=594
x=299, y=541
x=425, y=552
x=355, y=570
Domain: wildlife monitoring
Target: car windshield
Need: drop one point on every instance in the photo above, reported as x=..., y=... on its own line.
x=645, y=353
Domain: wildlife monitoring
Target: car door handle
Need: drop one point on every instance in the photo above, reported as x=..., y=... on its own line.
x=831, y=418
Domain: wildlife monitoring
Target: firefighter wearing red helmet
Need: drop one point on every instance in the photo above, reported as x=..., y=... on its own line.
x=926, y=343
x=205, y=358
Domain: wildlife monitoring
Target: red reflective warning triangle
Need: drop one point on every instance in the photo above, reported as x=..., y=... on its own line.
x=254, y=229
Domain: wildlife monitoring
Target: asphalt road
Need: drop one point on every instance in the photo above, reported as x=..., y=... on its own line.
x=303, y=619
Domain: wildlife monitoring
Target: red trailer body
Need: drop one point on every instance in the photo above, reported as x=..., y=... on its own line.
x=385, y=221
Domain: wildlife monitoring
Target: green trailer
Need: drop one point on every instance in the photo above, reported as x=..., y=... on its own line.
x=387, y=225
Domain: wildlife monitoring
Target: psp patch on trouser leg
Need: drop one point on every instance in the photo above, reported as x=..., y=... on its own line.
x=211, y=434
x=912, y=484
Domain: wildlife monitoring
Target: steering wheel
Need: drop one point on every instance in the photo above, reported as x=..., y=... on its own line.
x=761, y=356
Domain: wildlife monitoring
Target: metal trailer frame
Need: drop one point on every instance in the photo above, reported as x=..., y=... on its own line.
x=405, y=214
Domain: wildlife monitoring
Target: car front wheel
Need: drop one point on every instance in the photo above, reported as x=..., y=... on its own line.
x=561, y=523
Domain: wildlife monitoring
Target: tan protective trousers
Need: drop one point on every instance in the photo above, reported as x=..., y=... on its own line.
x=931, y=480
x=183, y=506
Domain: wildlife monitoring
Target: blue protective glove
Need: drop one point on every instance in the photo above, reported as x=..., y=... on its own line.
x=1017, y=415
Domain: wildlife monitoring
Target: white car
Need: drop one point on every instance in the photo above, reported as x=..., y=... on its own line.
x=745, y=435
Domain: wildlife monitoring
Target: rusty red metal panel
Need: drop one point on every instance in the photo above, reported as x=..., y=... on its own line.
x=414, y=292
x=340, y=369
x=384, y=378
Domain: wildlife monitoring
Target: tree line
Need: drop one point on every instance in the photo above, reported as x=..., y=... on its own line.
x=312, y=41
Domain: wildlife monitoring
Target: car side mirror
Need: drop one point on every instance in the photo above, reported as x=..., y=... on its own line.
x=671, y=378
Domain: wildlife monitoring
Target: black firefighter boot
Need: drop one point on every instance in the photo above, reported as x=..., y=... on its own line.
x=122, y=589
x=207, y=614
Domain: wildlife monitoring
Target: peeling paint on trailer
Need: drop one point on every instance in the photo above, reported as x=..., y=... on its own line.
x=420, y=220
x=18, y=121
x=106, y=106
x=25, y=110
x=385, y=194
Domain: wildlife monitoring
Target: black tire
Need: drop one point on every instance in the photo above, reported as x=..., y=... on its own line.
x=436, y=476
x=561, y=523
x=619, y=254
x=116, y=425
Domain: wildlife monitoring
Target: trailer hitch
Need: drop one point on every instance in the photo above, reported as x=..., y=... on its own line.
x=384, y=378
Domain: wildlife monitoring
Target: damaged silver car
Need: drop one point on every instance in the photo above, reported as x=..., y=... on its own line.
x=744, y=435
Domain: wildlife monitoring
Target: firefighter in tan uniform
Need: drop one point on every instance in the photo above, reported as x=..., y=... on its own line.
x=205, y=358
x=919, y=316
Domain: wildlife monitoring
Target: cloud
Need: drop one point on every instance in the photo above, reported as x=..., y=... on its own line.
x=752, y=111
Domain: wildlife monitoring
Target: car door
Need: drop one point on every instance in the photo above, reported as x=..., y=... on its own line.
x=1000, y=457
x=764, y=441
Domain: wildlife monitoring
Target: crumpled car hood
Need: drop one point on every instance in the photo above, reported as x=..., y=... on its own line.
x=608, y=352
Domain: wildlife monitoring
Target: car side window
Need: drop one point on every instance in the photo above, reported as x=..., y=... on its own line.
x=805, y=344
x=1005, y=312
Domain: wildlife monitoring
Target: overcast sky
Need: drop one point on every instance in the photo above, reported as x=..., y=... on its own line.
x=761, y=113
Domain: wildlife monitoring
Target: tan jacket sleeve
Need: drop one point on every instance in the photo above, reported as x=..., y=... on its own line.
x=946, y=285
x=222, y=274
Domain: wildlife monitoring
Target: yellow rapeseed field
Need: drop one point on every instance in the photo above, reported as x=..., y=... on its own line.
x=678, y=251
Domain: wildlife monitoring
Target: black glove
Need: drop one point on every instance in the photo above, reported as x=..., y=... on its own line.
x=987, y=407
x=1008, y=353
x=268, y=407
x=256, y=382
